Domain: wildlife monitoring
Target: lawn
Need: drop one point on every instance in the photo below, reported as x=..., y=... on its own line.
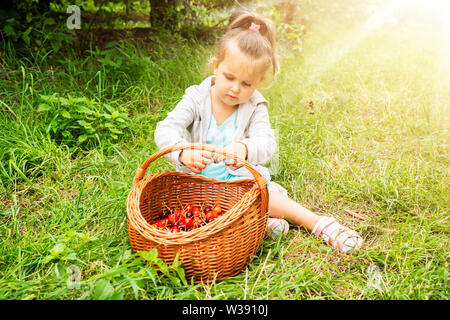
x=361, y=117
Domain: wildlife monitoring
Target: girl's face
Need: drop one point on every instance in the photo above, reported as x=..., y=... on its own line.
x=237, y=76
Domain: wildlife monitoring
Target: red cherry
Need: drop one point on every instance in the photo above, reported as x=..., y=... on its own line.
x=196, y=211
x=174, y=230
x=210, y=215
x=196, y=222
x=173, y=217
x=158, y=223
x=162, y=223
x=217, y=209
x=187, y=207
x=188, y=222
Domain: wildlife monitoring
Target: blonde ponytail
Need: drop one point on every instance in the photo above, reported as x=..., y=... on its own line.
x=256, y=44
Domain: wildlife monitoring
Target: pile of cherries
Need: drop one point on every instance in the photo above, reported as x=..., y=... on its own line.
x=187, y=218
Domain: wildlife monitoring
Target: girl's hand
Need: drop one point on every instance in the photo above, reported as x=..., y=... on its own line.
x=196, y=160
x=237, y=148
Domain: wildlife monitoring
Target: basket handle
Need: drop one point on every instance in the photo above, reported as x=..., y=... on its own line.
x=260, y=180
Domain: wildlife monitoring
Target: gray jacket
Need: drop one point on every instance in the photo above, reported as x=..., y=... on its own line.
x=188, y=122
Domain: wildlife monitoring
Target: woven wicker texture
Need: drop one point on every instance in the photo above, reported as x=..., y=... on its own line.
x=221, y=248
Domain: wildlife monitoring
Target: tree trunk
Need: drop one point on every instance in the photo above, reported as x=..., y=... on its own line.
x=157, y=13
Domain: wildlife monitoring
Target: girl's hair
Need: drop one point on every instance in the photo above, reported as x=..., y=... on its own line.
x=256, y=44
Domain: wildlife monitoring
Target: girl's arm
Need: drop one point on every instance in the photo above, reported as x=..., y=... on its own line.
x=260, y=140
x=170, y=131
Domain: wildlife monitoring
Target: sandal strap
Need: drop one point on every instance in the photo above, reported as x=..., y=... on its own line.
x=325, y=223
x=337, y=237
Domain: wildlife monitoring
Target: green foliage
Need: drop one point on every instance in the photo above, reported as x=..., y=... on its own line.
x=121, y=60
x=31, y=30
x=290, y=30
x=136, y=274
x=81, y=122
x=291, y=35
x=64, y=246
x=25, y=152
x=194, y=13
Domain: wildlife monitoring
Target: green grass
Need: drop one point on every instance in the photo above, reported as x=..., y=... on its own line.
x=362, y=123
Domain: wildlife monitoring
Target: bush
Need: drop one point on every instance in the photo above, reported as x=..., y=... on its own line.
x=81, y=122
x=36, y=32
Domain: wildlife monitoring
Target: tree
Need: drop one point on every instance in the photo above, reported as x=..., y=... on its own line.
x=162, y=12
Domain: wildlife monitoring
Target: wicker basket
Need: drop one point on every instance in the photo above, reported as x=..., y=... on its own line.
x=221, y=248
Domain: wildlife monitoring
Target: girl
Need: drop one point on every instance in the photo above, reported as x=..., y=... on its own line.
x=226, y=110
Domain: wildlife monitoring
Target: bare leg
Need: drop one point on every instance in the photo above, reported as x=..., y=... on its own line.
x=282, y=206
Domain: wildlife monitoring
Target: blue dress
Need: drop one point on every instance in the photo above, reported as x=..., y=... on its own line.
x=222, y=136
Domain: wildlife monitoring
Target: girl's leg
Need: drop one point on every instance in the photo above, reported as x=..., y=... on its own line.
x=327, y=228
x=282, y=206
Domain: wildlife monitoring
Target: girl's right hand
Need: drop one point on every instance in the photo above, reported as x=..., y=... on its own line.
x=196, y=160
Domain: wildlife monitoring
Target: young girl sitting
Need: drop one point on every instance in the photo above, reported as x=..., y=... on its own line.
x=226, y=110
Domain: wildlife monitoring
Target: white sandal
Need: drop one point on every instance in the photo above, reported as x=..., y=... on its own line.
x=338, y=236
x=275, y=227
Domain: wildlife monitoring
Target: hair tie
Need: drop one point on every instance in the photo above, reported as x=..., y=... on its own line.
x=254, y=27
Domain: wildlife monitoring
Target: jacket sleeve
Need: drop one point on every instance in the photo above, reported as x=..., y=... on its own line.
x=170, y=131
x=260, y=139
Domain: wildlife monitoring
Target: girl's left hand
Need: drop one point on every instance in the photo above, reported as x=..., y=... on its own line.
x=237, y=148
